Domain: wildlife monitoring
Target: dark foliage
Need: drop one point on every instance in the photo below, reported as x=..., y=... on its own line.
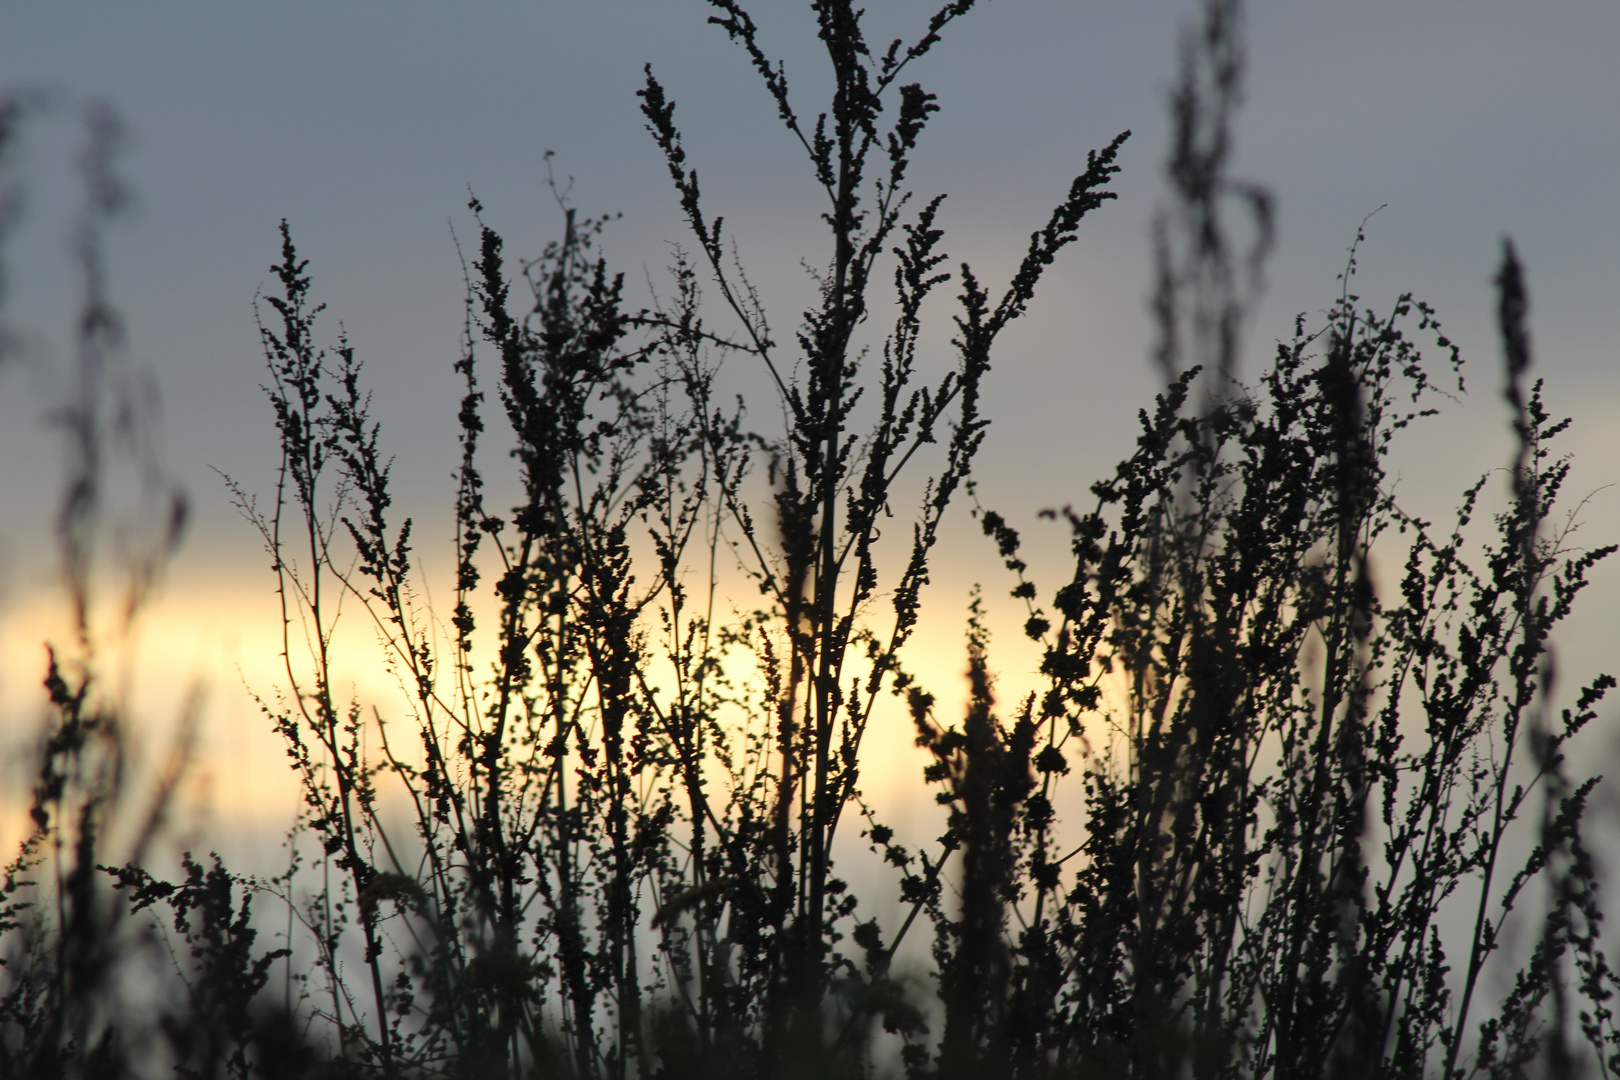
x=1312, y=799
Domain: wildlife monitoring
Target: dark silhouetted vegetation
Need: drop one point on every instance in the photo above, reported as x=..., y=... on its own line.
x=599, y=831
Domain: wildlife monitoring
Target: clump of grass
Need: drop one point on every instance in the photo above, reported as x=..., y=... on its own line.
x=1301, y=802
x=72, y=960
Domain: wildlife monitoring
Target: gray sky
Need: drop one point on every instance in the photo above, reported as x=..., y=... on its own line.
x=365, y=124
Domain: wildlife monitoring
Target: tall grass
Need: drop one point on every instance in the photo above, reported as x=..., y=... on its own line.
x=595, y=834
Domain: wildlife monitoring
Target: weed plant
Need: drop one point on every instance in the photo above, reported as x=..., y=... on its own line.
x=1310, y=808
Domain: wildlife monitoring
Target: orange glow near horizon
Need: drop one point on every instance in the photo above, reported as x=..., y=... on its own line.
x=216, y=638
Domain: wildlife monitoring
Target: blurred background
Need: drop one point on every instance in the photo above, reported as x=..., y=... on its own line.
x=367, y=126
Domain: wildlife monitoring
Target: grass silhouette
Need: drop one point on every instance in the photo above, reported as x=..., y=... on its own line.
x=1308, y=811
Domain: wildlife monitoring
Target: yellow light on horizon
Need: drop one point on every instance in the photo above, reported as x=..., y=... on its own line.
x=219, y=636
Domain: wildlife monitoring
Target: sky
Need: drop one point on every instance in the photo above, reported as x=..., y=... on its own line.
x=367, y=125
